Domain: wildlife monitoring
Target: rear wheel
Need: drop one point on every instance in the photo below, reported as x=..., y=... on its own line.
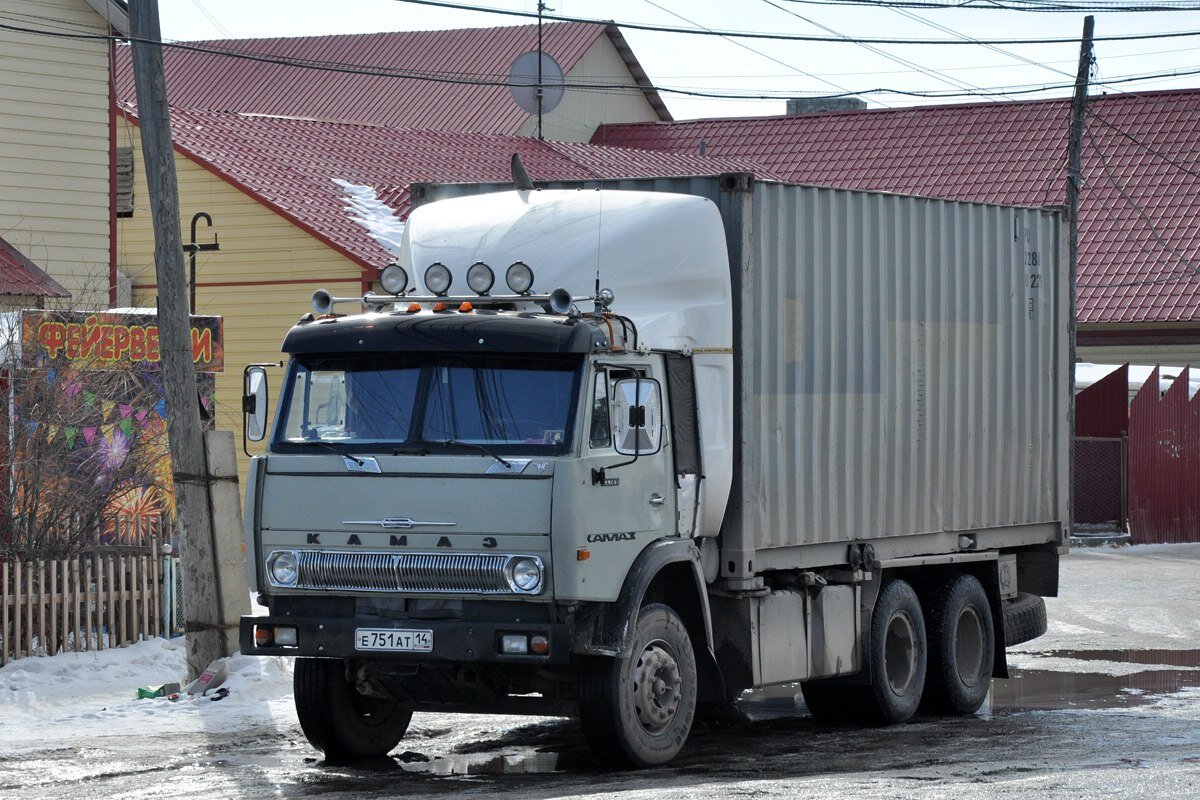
x=638, y=711
x=962, y=646
x=897, y=656
x=341, y=721
x=896, y=662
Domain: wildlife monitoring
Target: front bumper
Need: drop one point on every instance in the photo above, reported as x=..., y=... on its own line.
x=454, y=640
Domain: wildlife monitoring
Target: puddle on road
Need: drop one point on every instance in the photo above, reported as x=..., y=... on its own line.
x=1041, y=690
x=1034, y=689
x=1170, y=658
x=493, y=764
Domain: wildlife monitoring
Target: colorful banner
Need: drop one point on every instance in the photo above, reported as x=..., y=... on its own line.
x=108, y=338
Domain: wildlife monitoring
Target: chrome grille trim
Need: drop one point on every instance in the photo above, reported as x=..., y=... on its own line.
x=418, y=573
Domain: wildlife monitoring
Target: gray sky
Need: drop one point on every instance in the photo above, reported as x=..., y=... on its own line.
x=771, y=67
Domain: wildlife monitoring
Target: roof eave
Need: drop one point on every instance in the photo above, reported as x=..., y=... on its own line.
x=639, y=75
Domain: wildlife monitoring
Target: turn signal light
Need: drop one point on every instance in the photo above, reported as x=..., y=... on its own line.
x=262, y=636
x=539, y=645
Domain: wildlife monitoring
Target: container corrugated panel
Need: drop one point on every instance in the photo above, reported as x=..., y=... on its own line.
x=902, y=367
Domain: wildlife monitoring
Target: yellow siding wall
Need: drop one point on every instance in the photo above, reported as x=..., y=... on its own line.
x=576, y=118
x=54, y=157
x=257, y=247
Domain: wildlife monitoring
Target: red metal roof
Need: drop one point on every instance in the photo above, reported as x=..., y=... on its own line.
x=460, y=58
x=1139, y=253
x=20, y=276
x=260, y=155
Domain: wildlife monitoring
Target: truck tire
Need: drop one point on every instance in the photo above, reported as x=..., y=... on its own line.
x=340, y=721
x=1024, y=618
x=897, y=656
x=962, y=646
x=638, y=711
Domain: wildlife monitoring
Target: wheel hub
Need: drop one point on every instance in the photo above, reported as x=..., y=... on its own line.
x=657, y=686
x=900, y=653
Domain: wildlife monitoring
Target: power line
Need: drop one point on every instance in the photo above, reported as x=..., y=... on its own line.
x=1148, y=148
x=882, y=53
x=474, y=80
x=1041, y=6
x=744, y=46
x=1185, y=264
x=786, y=37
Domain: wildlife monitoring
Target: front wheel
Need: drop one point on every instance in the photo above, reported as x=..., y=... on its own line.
x=340, y=721
x=638, y=711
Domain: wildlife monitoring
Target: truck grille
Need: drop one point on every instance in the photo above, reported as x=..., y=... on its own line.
x=474, y=573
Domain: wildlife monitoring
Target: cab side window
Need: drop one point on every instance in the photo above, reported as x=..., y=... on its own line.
x=601, y=431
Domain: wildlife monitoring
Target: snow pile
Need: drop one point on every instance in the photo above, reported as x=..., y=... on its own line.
x=94, y=694
x=380, y=219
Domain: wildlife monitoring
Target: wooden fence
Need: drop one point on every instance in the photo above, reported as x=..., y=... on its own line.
x=92, y=601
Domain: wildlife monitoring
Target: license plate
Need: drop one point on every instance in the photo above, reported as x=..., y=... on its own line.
x=392, y=640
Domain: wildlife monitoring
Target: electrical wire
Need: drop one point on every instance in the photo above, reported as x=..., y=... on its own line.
x=473, y=80
x=1185, y=265
x=1148, y=148
x=787, y=37
x=883, y=53
x=1041, y=6
x=744, y=46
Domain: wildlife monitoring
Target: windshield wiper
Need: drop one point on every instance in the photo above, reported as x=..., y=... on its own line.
x=471, y=445
x=332, y=449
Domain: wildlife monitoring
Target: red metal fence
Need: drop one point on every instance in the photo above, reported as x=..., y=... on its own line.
x=1164, y=463
x=1158, y=474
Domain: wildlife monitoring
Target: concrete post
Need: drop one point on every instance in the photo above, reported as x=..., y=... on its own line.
x=233, y=591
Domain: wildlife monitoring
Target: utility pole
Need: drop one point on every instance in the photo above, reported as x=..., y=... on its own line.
x=188, y=461
x=1074, y=167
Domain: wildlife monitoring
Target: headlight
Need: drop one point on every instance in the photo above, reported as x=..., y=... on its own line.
x=519, y=277
x=480, y=278
x=283, y=569
x=526, y=575
x=394, y=279
x=438, y=278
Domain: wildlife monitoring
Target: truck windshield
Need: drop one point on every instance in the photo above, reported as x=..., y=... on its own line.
x=407, y=403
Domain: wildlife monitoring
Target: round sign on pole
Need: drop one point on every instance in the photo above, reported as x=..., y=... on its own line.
x=523, y=82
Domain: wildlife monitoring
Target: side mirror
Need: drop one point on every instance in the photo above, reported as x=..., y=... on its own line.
x=254, y=402
x=637, y=416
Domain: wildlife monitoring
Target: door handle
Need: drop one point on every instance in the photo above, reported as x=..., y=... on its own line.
x=657, y=499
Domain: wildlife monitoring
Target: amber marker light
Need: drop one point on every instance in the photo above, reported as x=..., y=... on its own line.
x=262, y=635
x=439, y=307
x=414, y=308
x=583, y=554
x=466, y=307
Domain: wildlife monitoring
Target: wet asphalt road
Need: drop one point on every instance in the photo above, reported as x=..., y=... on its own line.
x=1043, y=735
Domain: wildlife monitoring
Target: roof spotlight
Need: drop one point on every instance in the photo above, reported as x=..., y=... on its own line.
x=438, y=278
x=519, y=277
x=394, y=279
x=480, y=278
